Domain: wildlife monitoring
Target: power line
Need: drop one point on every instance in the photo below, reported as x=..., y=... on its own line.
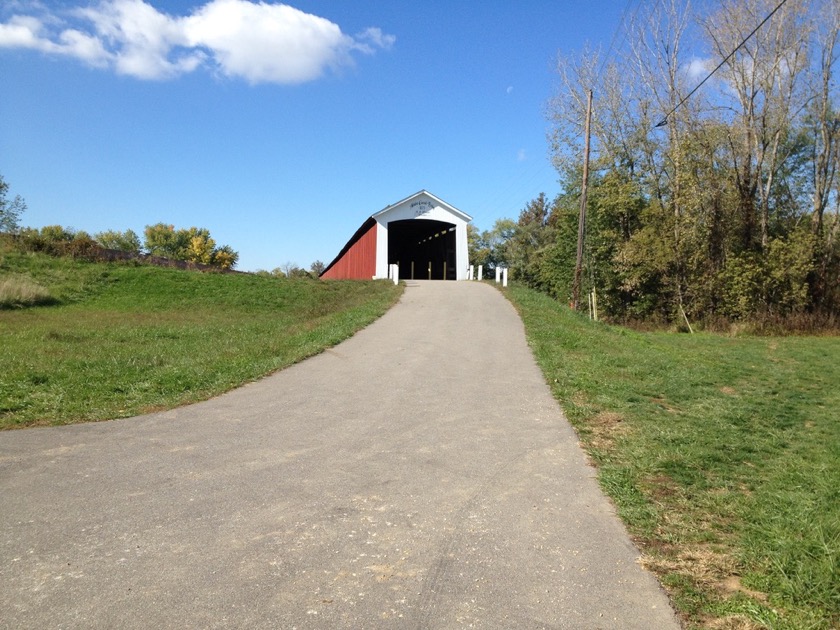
x=664, y=120
x=521, y=185
x=519, y=189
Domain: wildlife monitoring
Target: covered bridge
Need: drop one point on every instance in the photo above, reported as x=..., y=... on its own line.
x=422, y=234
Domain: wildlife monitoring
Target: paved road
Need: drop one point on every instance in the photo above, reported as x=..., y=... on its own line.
x=419, y=475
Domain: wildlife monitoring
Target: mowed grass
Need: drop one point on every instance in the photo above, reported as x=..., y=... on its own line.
x=121, y=340
x=722, y=455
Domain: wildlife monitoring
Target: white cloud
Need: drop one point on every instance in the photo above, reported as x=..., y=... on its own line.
x=256, y=41
x=372, y=38
x=697, y=69
x=23, y=32
x=521, y=155
x=271, y=43
x=83, y=46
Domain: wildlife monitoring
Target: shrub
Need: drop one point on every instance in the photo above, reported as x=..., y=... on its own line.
x=775, y=282
x=82, y=247
x=56, y=234
x=225, y=257
x=127, y=241
x=50, y=239
x=193, y=245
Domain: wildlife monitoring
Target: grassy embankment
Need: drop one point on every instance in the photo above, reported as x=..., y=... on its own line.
x=722, y=455
x=109, y=340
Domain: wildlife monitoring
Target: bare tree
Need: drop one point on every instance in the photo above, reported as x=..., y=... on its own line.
x=661, y=67
x=567, y=109
x=824, y=116
x=766, y=76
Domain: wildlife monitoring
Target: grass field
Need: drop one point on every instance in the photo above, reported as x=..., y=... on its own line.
x=722, y=454
x=114, y=340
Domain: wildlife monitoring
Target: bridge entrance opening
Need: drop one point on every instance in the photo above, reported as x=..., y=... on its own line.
x=424, y=249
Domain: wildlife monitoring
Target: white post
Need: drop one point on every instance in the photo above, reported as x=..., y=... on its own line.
x=481, y=272
x=472, y=272
x=498, y=273
x=395, y=273
x=504, y=277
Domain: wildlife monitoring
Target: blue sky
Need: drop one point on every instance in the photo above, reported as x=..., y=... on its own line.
x=280, y=129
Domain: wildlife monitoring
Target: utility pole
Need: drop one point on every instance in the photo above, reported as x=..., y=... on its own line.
x=582, y=217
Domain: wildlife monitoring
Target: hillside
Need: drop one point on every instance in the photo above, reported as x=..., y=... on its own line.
x=109, y=340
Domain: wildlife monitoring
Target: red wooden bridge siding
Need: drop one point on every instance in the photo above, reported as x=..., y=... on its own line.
x=357, y=261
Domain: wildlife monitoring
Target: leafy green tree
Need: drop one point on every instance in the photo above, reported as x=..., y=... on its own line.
x=775, y=283
x=56, y=233
x=10, y=211
x=554, y=263
x=290, y=269
x=225, y=257
x=127, y=241
x=489, y=248
x=297, y=272
x=193, y=245
x=529, y=237
x=535, y=212
x=200, y=246
x=475, y=245
x=702, y=216
x=163, y=240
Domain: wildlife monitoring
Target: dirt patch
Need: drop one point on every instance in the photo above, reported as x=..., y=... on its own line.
x=729, y=391
x=732, y=622
x=702, y=564
x=653, y=547
x=707, y=568
x=732, y=585
x=604, y=428
x=662, y=487
x=579, y=398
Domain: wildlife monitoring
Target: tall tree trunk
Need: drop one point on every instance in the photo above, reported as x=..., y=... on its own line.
x=826, y=118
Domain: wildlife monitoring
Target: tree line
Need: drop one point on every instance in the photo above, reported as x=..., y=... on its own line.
x=730, y=209
x=290, y=269
x=193, y=244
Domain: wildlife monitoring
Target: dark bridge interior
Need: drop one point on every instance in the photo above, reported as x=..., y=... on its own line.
x=424, y=249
